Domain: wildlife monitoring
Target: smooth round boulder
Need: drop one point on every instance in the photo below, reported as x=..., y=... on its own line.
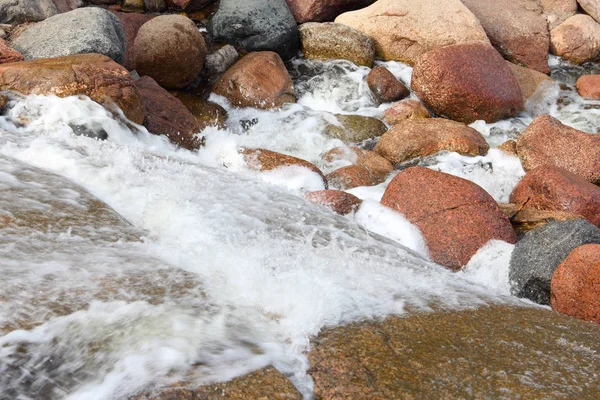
x=20, y=11
x=323, y=10
x=385, y=87
x=350, y=177
x=341, y=202
x=576, y=40
x=588, y=87
x=466, y=83
x=405, y=109
x=170, y=50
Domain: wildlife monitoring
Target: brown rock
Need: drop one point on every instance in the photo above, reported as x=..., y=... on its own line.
x=455, y=216
x=588, y=86
x=8, y=54
x=426, y=356
x=553, y=188
x=355, y=128
x=405, y=29
x=576, y=40
x=133, y=5
x=156, y=6
x=93, y=75
x=385, y=87
x=267, y=160
x=592, y=7
x=341, y=202
x=166, y=115
x=326, y=41
x=575, y=286
x=189, y=6
x=405, y=109
x=509, y=147
x=413, y=138
x=170, y=50
x=525, y=219
x=206, y=112
x=378, y=166
x=132, y=22
x=467, y=82
x=546, y=141
x=557, y=11
x=532, y=82
x=323, y=10
x=258, y=80
x=64, y=6
x=350, y=177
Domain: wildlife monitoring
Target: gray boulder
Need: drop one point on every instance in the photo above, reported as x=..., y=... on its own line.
x=19, y=11
x=84, y=30
x=257, y=25
x=539, y=253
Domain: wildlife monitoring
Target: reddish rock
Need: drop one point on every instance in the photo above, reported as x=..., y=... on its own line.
x=341, y=202
x=378, y=166
x=8, y=54
x=189, y=6
x=132, y=22
x=166, y=115
x=546, y=141
x=588, y=87
x=552, y=188
x=467, y=82
x=258, y=80
x=413, y=138
x=350, y=177
x=575, y=286
x=323, y=10
x=267, y=160
x=455, y=216
x=385, y=87
x=405, y=109
x=509, y=147
x=93, y=75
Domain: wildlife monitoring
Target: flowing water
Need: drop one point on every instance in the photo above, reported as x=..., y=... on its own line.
x=129, y=263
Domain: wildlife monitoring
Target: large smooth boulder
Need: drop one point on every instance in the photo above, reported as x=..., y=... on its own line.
x=93, y=75
x=547, y=141
x=552, y=188
x=329, y=40
x=539, y=253
x=575, y=286
x=592, y=7
x=557, y=11
x=455, y=216
x=132, y=22
x=421, y=137
x=20, y=11
x=84, y=30
x=170, y=50
x=323, y=10
x=256, y=25
x=405, y=29
x=576, y=40
x=258, y=80
x=517, y=28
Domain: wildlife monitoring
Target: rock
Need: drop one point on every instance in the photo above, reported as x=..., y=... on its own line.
x=155, y=6
x=592, y=7
x=132, y=22
x=517, y=29
x=327, y=41
x=93, y=75
x=525, y=219
x=588, y=86
x=323, y=10
x=575, y=286
x=509, y=147
x=350, y=177
x=220, y=61
x=413, y=138
x=378, y=167
x=189, y=6
x=557, y=11
x=403, y=30
x=267, y=160
x=405, y=109
x=341, y=202
x=257, y=80
x=256, y=25
x=63, y=6
x=8, y=54
x=576, y=40
x=133, y=5
x=20, y=11
x=355, y=128
x=455, y=216
x=546, y=141
x=207, y=113
x=467, y=82
x=166, y=115
x=533, y=83
x=553, y=188
x=170, y=50
x=385, y=87
x=541, y=250
x=425, y=356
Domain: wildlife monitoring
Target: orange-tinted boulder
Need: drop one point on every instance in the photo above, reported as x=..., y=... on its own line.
x=509, y=147
x=341, y=202
x=455, y=216
x=384, y=85
x=350, y=177
x=8, y=54
x=267, y=160
x=405, y=109
x=588, y=86
x=378, y=166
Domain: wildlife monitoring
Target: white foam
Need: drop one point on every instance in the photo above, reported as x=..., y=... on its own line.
x=490, y=266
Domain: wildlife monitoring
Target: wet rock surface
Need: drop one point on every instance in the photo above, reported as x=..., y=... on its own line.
x=405, y=109
x=377, y=166
x=385, y=86
x=350, y=177
x=341, y=202
x=355, y=128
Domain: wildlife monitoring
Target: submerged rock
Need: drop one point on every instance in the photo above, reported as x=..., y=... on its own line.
x=350, y=177
x=341, y=202
x=323, y=10
x=385, y=87
x=378, y=166
x=576, y=40
x=267, y=160
x=355, y=128
x=20, y=11
x=207, y=113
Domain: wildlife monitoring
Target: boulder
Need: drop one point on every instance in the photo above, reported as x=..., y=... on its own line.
x=509, y=147
x=588, y=86
x=413, y=138
x=405, y=109
x=206, y=112
x=189, y=6
x=323, y=10
x=170, y=50
x=575, y=286
x=341, y=202
x=93, y=75
x=378, y=167
x=219, y=61
x=517, y=28
x=8, y=54
x=267, y=160
x=546, y=141
x=133, y=5
x=467, y=82
x=166, y=115
x=557, y=11
x=84, y=30
x=552, y=188
x=256, y=25
x=576, y=40
x=533, y=83
x=20, y=11
x=539, y=253
x=385, y=87
x=455, y=216
x=155, y=6
x=524, y=220
x=132, y=22
x=258, y=80
x=63, y=6
x=403, y=30
x=326, y=41
x=592, y=7
x=350, y=177
x=355, y=128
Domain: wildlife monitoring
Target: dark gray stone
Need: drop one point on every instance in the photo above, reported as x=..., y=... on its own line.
x=85, y=30
x=19, y=11
x=257, y=25
x=539, y=253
